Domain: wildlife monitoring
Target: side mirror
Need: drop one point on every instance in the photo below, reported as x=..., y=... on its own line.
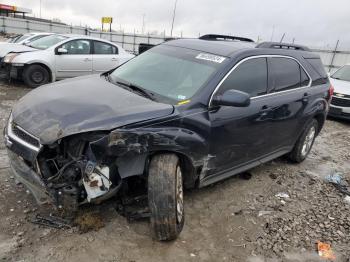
x=61, y=51
x=232, y=98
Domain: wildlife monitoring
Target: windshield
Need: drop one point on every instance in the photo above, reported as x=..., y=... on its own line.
x=172, y=74
x=20, y=38
x=48, y=41
x=343, y=73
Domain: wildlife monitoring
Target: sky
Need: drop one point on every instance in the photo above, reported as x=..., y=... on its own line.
x=316, y=23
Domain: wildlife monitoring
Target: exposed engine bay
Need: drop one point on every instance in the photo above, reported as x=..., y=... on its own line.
x=73, y=176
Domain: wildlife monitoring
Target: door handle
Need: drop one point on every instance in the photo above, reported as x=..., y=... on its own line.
x=87, y=60
x=114, y=59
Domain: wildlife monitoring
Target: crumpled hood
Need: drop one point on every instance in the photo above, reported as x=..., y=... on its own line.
x=340, y=86
x=82, y=104
x=6, y=48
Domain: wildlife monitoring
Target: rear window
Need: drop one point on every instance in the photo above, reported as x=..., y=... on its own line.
x=317, y=65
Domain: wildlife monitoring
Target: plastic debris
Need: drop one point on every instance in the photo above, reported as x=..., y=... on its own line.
x=263, y=213
x=282, y=195
x=337, y=180
x=347, y=200
x=325, y=251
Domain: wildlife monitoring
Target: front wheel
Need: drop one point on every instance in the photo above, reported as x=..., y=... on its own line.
x=36, y=75
x=165, y=196
x=305, y=142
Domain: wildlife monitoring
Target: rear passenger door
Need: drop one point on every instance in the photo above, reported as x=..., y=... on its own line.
x=105, y=56
x=286, y=100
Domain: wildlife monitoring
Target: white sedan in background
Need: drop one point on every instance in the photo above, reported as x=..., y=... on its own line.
x=19, y=43
x=340, y=105
x=61, y=56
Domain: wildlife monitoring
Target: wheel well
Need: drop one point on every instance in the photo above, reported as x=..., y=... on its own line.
x=320, y=119
x=189, y=174
x=43, y=65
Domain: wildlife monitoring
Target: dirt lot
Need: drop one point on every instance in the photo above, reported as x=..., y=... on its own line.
x=235, y=220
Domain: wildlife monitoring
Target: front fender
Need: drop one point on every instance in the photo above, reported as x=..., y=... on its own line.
x=131, y=148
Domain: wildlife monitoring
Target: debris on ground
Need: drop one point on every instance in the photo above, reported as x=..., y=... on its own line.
x=325, y=251
x=347, y=200
x=89, y=221
x=52, y=221
x=282, y=195
x=338, y=181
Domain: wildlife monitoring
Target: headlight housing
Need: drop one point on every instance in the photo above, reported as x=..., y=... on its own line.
x=9, y=58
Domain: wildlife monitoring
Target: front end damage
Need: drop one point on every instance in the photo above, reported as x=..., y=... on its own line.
x=89, y=167
x=65, y=174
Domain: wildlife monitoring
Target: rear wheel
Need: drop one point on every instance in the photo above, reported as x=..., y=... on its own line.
x=36, y=75
x=165, y=196
x=305, y=142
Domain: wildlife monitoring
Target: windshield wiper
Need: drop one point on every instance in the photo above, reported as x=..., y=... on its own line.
x=132, y=87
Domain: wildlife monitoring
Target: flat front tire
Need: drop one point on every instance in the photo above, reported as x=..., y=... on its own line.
x=165, y=196
x=36, y=75
x=305, y=142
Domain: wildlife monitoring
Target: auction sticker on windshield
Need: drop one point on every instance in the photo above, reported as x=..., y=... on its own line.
x=210, y=57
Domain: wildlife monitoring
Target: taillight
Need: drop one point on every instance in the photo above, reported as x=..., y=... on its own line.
x=331, y=91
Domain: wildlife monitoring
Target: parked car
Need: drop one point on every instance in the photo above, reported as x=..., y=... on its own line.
x=63, y=56
x=186, y=113
x=340, y=105
x=20, y=43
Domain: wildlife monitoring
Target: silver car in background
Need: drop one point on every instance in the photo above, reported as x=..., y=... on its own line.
x=19, y=43
x=340, y=105
x=61, y=56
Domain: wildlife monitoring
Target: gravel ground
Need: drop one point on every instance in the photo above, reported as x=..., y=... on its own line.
x=234, y=220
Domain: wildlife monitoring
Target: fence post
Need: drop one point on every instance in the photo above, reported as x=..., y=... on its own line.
x=334, y=53
x=148, y=40
x=123, y=39
x=28, y=27
x=134, y=45
x=3, y=24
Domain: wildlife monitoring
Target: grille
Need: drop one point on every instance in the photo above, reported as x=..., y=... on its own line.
x=340, y=102
x=25, y=136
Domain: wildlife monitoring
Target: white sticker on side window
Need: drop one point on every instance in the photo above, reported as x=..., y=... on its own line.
x=210, y=57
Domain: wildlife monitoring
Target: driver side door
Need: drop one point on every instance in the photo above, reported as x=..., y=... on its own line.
x=239, y=135
x=75, y=61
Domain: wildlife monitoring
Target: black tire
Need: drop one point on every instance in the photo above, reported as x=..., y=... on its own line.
x=299, y=153
x=36, y=75
x=163, y=196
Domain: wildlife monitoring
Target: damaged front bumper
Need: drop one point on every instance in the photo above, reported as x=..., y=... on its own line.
x=24, y=174
x=12, y=71
x=21, y=155
x=85, y=181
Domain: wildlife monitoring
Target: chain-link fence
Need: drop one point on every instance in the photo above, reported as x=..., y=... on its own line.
x=332, y=59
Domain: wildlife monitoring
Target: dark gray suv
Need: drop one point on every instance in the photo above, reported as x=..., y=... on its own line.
x=184, y=114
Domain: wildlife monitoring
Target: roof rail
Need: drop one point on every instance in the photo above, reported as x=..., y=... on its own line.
x=278, y=45
x=224, y=37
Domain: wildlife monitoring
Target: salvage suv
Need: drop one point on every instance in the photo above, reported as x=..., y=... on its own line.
x=184, y=114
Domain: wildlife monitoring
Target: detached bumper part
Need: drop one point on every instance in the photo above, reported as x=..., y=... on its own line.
x=29, y=178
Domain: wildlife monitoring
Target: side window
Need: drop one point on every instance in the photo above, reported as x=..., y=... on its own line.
x=304, y=79
x=77, y=47
x=101, y=48
x=249, y=77
x=285, y=74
